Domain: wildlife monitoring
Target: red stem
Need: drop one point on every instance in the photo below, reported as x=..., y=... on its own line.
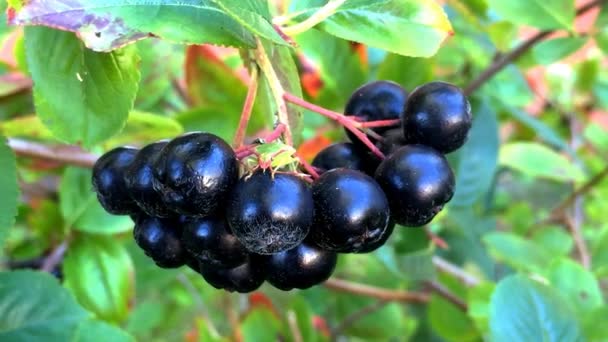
x=307, y=167
x=379, y=123
x=348, y=123
x=247, y=109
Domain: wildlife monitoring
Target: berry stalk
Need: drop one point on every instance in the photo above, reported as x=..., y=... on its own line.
x=348, y=123
x=247, y=108
x=247, y=150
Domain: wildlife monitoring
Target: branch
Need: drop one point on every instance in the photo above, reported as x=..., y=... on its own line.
x=52, y=260
x=514, y=54
x=357, y=315
x=65, y=154
x=453, y=270
x=376, y=292
x=447, y=294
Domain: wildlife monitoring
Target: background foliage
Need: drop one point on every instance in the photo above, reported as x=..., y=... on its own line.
x=520, y=254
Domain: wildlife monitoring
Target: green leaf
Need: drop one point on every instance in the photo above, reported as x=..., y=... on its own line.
x=549, y=51
x=109, y=24
x=502, y=34
x=97, y=89
x=450, y=322
x=10, y=190
x=517, y=252
x=577, y=284
x=26, y=126
x=368, y=328
x=34, y=305
x=250, y=327
x=536, y=160
x=413, y=266
x=555, y=240
x=337, y=63
x=287, y=72
x=541, y=14
x=406, y=27
x=303, y=316
x=409, y=72
x=99, y=271
x=91, y=330
x=524, y=310
x=80, y=208
x=478, y=158
x=146, y=127
x=253, y=15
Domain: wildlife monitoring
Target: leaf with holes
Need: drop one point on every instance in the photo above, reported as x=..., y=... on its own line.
x=97, y=89
x=105, y=25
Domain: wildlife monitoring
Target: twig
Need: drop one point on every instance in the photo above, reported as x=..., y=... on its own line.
x=276, y=88
x=447, y=294
x=579, y=242
x=321, y=14
x=559, y=211
x=376, y=292
x=52, y=260
x=65, y=154
x=380, y=123
x=514, y=54
x=247, y=108
x=453, y=270
x=357, y=315
x=345, y=121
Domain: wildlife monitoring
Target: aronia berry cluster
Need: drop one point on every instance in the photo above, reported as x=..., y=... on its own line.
x=191, y=206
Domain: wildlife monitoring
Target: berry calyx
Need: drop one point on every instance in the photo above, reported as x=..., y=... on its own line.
x=209, y=240
x=269, y=214
x=301, y=267
x=438, y=115
x=160, y=240
x=379, y=100
x=108, y=181
x=418, y=181
x=139, y=180
x=351, y=211
x=195, y=173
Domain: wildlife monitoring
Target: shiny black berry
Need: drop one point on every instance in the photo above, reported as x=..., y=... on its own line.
x=139, y=179
x=438, y=115
x=301, y=267
x=345, y=155
x=417, y=181
x=351, y=211
x=108, y=181
x=195, y=173
x=244, y=278
x=209, y=240
x=160, y=240
x=370, y=247
x=269, y=214
x=380, y=100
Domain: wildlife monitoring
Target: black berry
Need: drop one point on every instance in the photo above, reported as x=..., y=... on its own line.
x=244, y=278
x=393, y=140
x=269, y=214
x=195, y=173
x=380, y=100
x=139, y=179
x=417, y=181
x=351, y=211
x=108, y=181
x=211, y=242
x=345, y=155
x=438, y=115
x=160, y=240
x=301, y=267
x=370, y=247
